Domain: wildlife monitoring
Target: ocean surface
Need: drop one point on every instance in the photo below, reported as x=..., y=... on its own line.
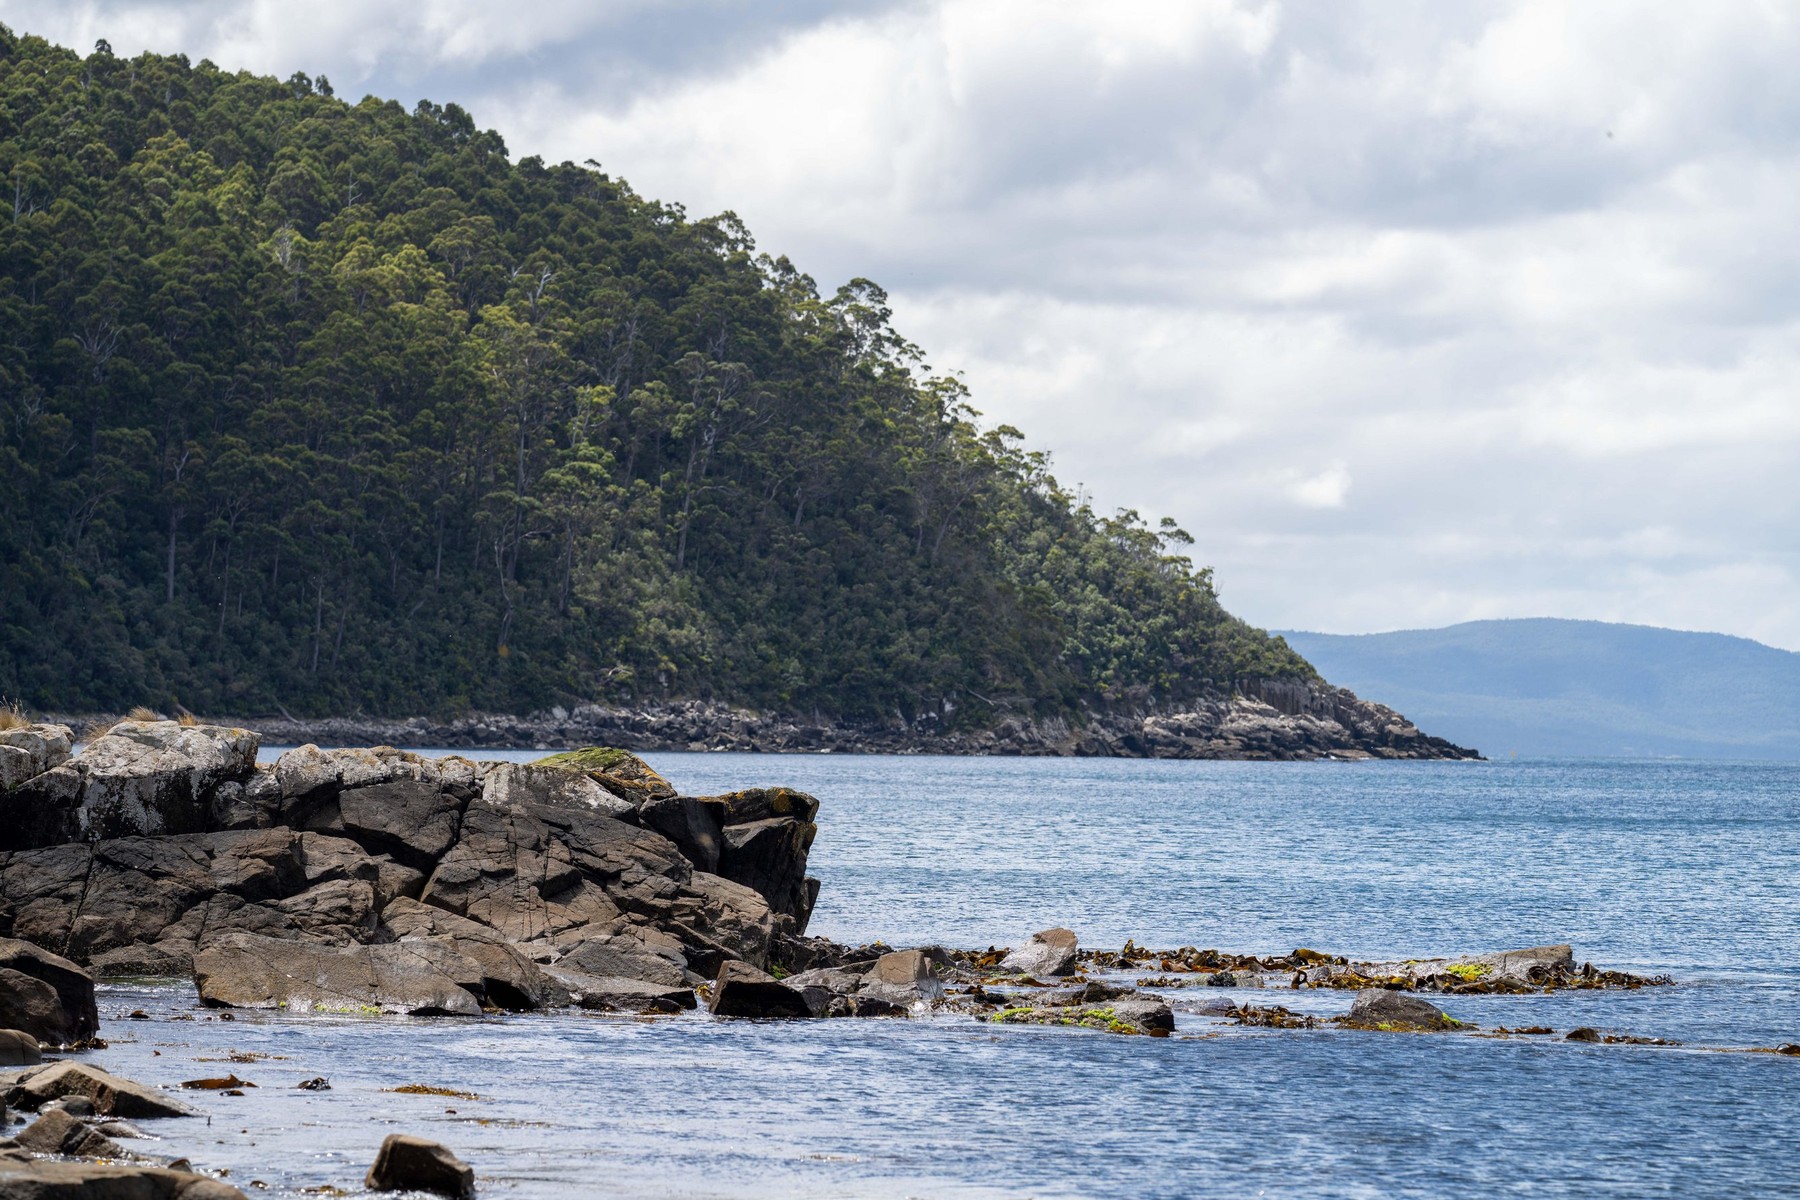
x=1688, y=869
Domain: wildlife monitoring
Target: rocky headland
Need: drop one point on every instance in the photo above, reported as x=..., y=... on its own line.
x=1263, y=720
x=379, y=882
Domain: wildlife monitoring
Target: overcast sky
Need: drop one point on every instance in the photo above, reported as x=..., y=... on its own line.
x=1411, y=312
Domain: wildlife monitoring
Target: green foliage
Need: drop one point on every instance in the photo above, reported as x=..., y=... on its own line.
x=317, y=407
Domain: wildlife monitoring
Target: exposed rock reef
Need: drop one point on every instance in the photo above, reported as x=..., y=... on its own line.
x=1266, y=719
x=380, y=880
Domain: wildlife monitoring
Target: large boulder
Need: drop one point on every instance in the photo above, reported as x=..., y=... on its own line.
x=694, y=824
x=56, y=1132
x=27, y=751
x=144, y=905
x=45, y=1179
x=508, y=978
x=45, y=995
x=619, y=771
x=555, y=874
x=1045, y=955
x=510, y=785
x=110, y=1095
x=769, y=857
x=743, y=991
x=420, y=977
x=632, y=952
x=19, y=1049
x=140, y=777
x=612, y=993
x=307, y=776
x=904, y=978
x=412, y=1164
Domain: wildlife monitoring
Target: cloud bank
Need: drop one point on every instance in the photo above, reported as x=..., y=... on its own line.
x=1412, y=313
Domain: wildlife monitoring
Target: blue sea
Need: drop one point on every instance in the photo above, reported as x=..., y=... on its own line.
x=1687, y=869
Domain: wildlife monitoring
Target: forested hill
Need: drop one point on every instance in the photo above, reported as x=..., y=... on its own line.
x=316, y=406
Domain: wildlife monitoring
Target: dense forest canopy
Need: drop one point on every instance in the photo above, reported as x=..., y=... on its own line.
x=316, y=406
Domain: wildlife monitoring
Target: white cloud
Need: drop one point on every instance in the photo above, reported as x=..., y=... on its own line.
x=1411, y=312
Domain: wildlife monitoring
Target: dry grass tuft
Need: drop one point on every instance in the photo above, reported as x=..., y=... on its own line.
x=140, y=713
x=12, y=716
x=187, y=718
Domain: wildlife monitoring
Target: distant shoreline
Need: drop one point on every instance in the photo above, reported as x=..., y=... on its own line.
x=1276, y=721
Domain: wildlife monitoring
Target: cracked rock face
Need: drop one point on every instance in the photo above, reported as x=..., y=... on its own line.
x=379, y=879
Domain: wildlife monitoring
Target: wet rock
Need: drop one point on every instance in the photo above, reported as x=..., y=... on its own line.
x=121, y=1129
x=416, y=977
x=1584, y=1034
x=619, y=771
x=58, y=1132
x=43, y=1179
x=110, y=1095
x=45, y=995
x=742, y=990
x=612, y=993
x=141, y=777
x=408, y=1164
x=19, y=1049
x=31, y=750
x=1045, y=955
x=1386, y=1010
x=508, y=978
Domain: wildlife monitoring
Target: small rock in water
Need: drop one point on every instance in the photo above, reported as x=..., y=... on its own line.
x=1049, y=952
x=412, y=1164
x=1397, y=1010
x=1584, y=1034
x=320, y=1084
x=743, y=991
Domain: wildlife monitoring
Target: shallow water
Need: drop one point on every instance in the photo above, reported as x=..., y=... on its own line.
x=1662, y=867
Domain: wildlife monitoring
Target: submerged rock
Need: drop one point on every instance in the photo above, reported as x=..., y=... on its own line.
x=412, y=1164
x=1045, y=955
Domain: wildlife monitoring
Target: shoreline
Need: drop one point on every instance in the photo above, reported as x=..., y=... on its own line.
x=1267, y=721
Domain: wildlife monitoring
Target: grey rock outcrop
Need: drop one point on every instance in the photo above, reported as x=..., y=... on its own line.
x=141, y=777
x=56, y=1132
x=30, y=750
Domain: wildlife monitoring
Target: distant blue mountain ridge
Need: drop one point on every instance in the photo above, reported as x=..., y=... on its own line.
x=1549, y=687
